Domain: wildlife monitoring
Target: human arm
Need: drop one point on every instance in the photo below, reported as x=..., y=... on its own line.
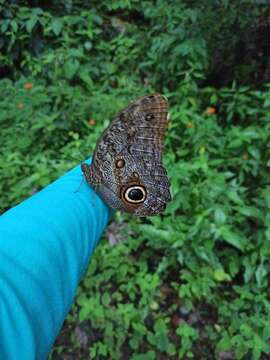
x=45, y=246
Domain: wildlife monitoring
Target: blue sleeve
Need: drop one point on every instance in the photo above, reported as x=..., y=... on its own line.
x=45, y=246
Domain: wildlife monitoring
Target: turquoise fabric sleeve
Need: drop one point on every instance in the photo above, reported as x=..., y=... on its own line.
x=45, y=246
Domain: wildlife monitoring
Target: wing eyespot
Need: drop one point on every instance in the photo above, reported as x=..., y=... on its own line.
x=135, y=194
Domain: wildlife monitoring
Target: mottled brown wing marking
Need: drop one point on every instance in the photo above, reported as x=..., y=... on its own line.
x=127, y=159
x=87, y=170
x=149, y=112
x=149, y=116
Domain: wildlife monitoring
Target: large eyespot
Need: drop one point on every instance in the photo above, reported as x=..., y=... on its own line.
x=135, y=194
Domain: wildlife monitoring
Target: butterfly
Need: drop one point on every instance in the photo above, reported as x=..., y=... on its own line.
x=127, y=170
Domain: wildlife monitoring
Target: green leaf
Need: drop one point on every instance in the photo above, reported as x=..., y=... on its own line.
x=106, y=299
x=233, y=238
x=30, y=24
x=57, y=26
x=266, y=333
x=250, y=211
x=220, y=216
x=70, y=68
x=134, y=343
x=260, y=274
x=149, y=355
x=153, y=232
x=224, y=343
x=86, y=78
x=233, y=196
x=235, y=143
x=14, y=25
x=251, y=133
x=140, y=328
x=266, y=195
x=220, y=275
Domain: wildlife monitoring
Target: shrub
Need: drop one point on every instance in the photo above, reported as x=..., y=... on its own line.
x=192, y=282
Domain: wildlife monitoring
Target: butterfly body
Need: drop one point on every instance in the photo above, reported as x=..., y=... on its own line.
x=127, y=170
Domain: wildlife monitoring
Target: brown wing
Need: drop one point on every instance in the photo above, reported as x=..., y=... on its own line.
x=147, y=120
x=138, y=129
x=131, y=147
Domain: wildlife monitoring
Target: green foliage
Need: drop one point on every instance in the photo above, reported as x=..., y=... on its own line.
x=193, y=282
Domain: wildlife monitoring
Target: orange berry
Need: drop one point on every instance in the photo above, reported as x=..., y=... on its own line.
x=28, y=86
x=189, y=125
x=211, y=110
x=92, y=122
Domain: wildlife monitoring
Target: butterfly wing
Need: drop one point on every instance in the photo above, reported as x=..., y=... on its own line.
x=127, y=168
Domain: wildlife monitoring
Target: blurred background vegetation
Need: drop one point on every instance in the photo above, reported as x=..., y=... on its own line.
x=194, y=282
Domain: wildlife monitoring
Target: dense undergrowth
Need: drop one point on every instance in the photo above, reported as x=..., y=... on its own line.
x=193, y=282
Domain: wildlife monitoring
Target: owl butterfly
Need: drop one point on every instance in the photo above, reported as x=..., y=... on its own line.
x=127, y=170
